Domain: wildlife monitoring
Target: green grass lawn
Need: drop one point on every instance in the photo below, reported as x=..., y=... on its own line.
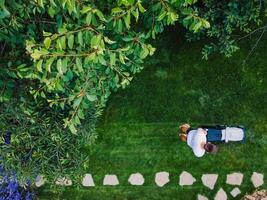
x=139, y=130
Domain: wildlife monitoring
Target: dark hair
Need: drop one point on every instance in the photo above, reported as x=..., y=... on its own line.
x=211, y=148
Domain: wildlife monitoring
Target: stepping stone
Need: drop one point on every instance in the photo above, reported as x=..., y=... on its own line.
x=162, y=178
x=209, y=180
x=63, y=181
x=234, y=179
x=221, y=195
x=39, y=181
x=235, y=192
x=201, y=197
x=88, y=180
x=186, y=179
x=257, y=179
x=136, y=179
x=110, y=179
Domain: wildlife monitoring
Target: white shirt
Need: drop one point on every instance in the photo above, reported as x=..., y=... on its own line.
x=194, y=139
x=232, y=134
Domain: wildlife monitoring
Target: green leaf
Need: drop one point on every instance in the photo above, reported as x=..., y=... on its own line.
x=80, y=114
x=116, y=10
x=90, y=57
x=91, y=97
x=112, y=59
x=141, y=8
x=107, y=40
x=80, y=38
x=77, y=102
x=197, y=26
x=144, y=53
x=72, y=129
x=95, y=41
x=121, y=58
x=135, y=14
x=86, y=9
x=3, y=11
x=77, y=120
x=71, y=6
x=88, y=18
x=62, y=42
x=100, y=15
x=47, y=42
x=52, y=12
x=79, y=64
x=162, y=15
x=36, y=55
x=48, y=64
x=206, y=23
x=40, y=3
x=127, y=20
x=120, y=25
x=59, y=66
x=70, y=41
x=39, y=65
x=46, y=34
x=102, y=60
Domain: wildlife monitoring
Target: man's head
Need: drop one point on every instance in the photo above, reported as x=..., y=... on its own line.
x=184, y=127
x=211, y=148
x=183, y=137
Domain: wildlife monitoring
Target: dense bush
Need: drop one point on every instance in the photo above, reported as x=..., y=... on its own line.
x=61, y=59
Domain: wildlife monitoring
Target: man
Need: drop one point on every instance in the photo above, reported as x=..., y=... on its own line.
x=197, y=140
x=218, y=133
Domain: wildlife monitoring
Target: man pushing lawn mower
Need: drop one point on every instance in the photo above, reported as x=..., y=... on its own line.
x=199, y=138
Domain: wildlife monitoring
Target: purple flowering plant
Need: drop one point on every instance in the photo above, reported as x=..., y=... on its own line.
x=10, y=189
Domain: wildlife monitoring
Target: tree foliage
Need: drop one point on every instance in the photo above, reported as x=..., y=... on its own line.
x=61, y=59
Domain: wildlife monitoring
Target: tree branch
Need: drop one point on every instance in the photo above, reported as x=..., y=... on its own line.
x=256, y=44
x=251, y=33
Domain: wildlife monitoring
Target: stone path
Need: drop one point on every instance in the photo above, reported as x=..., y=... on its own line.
x=186, y=179
x=63, y=182
x=209, y=180
x=162, y=178
x=235, y=192
x=88, y=181
x=136, y=179
x=220, y=195
x=257, y=179
x=39, y=181
x=234, y=179
x=201, y=197
x=110, y=180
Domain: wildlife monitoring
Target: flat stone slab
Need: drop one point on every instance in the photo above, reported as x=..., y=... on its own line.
x=186, y=179
x=63, y=181
x=235, y=192
x=209, y=180
x=110, y=179
x=162, y=178
x=220, y=195
x=39, y=181
x=136, y=179
x=234, y=179
x=201, y=197
x=88, y=181
x=257, y=179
